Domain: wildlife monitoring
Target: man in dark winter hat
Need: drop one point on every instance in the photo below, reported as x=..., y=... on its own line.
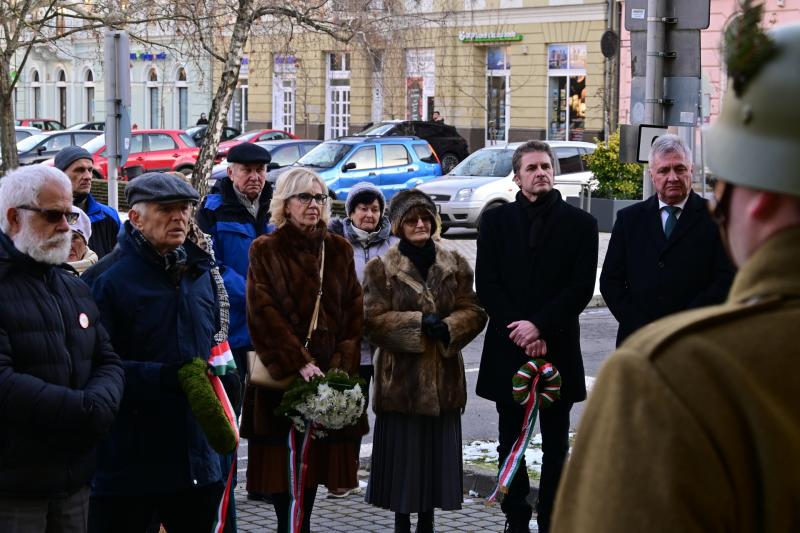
x=694, y=423
x=76, y=162
x=535, y=272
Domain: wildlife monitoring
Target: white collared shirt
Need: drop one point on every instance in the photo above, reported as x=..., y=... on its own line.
x=665, y=215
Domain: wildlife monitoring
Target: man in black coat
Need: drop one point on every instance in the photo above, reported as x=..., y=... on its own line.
x=535, y=273
x=60, y=380
x=665, y=253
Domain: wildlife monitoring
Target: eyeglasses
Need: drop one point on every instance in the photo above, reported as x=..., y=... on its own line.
x=305, y=198
x=53, y=216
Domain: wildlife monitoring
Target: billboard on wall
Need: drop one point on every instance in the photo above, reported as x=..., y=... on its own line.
x=414, y=97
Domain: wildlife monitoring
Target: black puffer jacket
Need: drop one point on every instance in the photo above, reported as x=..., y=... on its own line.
x=60, y=380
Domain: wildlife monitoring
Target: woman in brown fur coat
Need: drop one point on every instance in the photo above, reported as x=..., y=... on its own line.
x=281, y=293
x=420, y=311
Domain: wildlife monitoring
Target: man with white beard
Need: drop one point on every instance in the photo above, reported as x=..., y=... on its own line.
x=60, y=381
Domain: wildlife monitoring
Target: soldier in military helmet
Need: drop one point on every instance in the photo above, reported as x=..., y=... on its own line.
x=694, y=423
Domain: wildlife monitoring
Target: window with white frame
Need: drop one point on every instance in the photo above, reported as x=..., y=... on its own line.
x=182, y=95
x=566, y=91
x=88, y=95
x=239, y=109
x=36, y=95
x=337, y=108
x=283, y=92
x=153, y=98
x=420, y=83
x=61, y=91
x=498, y=97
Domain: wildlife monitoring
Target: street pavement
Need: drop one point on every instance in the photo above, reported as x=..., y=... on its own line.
x=479, y=423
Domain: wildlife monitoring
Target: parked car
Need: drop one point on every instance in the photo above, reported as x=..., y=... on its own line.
x=198, y=132
x=93, y=126
x=42, y=146
x=283, y=153
x=255, y=136
x=44, y=124
x=450, y=147
x=392, y=163
x=484, y=180
x=23, y=132
x=151, y=150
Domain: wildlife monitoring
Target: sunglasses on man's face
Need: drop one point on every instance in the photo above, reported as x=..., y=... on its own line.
x=52, y=216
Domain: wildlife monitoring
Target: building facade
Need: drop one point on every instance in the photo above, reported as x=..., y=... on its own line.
x=498, y=70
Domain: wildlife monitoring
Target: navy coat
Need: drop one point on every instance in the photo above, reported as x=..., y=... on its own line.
x=549, y=286
x=105, y=226
x=647, y=276
x=156, y=444
x=233, y=229
x=60, y=380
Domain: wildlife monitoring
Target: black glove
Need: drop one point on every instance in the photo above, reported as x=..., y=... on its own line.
x=232, y=384
x=433, y=327
x=169, y=375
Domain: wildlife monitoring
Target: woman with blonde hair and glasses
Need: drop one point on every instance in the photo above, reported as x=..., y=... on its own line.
x=282, y=287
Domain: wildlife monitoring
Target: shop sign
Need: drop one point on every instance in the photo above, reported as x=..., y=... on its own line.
x=148, y=56
x=488, y=37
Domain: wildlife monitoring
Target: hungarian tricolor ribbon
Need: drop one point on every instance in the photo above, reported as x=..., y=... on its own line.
x=525, y=390
x=221, y=362
x=298, y=471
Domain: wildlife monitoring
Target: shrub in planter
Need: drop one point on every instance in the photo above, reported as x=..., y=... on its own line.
x=613, y=178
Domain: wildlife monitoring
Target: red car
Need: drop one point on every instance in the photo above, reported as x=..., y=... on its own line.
x=252, y=137
x=151, y=151
x=44, y=124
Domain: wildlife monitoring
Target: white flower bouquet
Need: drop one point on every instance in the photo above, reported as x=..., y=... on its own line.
x=330, y=402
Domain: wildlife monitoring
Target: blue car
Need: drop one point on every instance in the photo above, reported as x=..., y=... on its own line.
x=392, y=164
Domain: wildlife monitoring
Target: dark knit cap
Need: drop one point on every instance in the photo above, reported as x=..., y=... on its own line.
x=404, y=201
x=69, y=155
x=363, y=193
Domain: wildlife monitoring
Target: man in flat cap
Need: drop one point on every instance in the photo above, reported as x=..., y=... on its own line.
x=235, y=214
x=76, y=162
x=694, y=423
x=158, y=302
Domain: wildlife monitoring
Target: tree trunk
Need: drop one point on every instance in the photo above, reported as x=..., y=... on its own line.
x=8, y=137
x=223, y=97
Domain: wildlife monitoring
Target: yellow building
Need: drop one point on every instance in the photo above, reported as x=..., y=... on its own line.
x=498, y=70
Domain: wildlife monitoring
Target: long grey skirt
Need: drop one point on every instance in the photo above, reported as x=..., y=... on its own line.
x=416, y=463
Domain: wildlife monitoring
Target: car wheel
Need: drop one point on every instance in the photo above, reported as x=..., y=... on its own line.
x=449, y=161
x=186, y=171
x=490, y=206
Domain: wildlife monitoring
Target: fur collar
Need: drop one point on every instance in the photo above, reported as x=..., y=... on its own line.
x=446, y=264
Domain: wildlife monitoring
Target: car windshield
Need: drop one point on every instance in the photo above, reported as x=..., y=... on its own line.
x=95, y=144
x=485, y=163
x=26, y=144
x=194, y=131
x=380, y=129
x=325, y=155
x=246, y=136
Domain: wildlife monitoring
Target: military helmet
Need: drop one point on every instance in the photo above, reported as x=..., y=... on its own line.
x=755, y=142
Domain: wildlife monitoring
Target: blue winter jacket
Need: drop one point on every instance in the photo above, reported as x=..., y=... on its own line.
x=156, y=444
x=233, y=229
x=105, y=226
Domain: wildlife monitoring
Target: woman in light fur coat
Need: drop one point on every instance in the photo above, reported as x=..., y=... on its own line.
x=420, y=310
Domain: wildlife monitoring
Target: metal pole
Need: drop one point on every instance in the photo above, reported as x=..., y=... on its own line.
x=112, y=69
x=654, y=76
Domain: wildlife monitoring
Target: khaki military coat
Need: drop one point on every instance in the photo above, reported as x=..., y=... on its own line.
x=694, y=424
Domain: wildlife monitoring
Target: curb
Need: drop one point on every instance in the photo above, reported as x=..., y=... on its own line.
x=479, y=481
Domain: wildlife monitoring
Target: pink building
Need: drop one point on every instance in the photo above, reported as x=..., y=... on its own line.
x=776, y=12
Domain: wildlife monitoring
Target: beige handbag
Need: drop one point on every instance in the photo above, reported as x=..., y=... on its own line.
x=258, y=373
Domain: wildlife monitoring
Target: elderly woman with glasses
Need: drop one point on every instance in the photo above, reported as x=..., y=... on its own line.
x=282, y=286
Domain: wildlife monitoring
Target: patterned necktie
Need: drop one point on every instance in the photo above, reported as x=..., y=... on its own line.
x=672, y=219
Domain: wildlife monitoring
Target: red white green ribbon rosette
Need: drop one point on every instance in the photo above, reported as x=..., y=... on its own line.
x=536, y=384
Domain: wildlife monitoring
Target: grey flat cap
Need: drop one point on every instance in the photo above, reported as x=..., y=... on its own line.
x=160, y=188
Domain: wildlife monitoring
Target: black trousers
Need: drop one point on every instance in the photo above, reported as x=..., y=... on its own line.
x=65, y=514
x=185, y=511
x=554, y=424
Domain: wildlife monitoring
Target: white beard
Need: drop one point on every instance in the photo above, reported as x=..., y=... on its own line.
x=52, y=251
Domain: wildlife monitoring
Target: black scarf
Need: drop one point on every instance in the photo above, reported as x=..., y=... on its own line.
x=538, y=212
x=174, y=262
x=422, y=257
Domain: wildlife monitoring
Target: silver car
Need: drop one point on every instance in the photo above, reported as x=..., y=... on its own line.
x=484, y=181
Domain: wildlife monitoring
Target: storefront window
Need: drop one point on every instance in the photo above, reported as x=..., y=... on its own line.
x=498, y=76
x=566, y=91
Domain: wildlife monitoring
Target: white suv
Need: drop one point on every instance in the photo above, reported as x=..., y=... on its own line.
x=484, y=180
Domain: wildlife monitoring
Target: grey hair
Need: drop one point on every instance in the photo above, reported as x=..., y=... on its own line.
x=669, y=143
x=22, y=186
x=294, y=182
x=531, y=146
x=141, y=208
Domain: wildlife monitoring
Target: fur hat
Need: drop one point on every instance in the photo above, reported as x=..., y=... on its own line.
x=404, y=201
x=359, y=193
